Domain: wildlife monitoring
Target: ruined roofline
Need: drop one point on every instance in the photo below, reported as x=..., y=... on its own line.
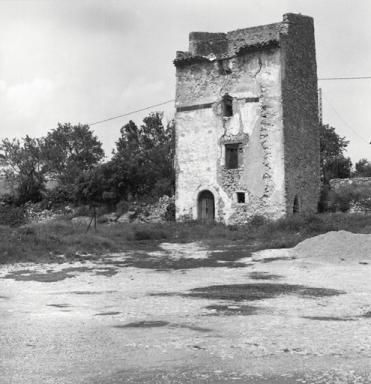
x=208, y=46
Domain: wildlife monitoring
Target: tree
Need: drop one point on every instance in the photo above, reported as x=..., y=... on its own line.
x=70, y=150
x=25, y=172
x=96, y=186
x=363, y=168
x=144, y=158
x=333, y=162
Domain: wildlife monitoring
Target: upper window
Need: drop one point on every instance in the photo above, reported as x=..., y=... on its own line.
x=227, y=105
x=233, y=155
x=241, y=197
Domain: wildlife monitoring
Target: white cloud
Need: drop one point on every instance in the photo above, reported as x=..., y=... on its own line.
x=27, y=99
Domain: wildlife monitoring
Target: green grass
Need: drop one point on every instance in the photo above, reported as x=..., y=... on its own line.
x=45, y=242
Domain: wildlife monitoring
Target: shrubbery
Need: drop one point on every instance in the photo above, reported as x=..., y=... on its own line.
x=353, y=196
x=12, y=215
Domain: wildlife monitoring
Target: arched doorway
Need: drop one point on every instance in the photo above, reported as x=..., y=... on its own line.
x=206, y=207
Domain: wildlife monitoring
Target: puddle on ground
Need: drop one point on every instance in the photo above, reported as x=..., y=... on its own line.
x=232, y=255
x=166, y=263
x=51, y=276
x=195, y=250
x=233, y=310
x=89, y=292
x=271, y=259
x=77, y=269
x=258, y=291
x=160, y=323
x=191, y=327
x=328, y=318
x=113, y=313
x=143, y=324
x=177, y=256
x=39, y=277
x=263, y=276
x=63, y=305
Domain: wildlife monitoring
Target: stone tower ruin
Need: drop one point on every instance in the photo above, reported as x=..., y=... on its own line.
x=247, y=130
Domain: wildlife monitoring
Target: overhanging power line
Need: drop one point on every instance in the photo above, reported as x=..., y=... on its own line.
x=132, y=112
x=345, y=78
x=172, y=100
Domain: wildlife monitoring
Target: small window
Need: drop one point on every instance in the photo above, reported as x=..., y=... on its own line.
x=233, y=155
x=227, y=105
x=296, y=208
x=240, y=197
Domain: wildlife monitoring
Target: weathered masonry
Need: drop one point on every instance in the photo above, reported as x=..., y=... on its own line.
x=247, y=138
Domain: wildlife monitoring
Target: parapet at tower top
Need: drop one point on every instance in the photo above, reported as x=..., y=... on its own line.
x=215, y=46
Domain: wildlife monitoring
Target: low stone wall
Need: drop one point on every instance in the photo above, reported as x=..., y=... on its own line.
x=357, y=190
x=337, y=184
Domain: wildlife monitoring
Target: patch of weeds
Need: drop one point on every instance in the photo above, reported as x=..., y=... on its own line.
x=143, y=324
x=233, y=310
x=43, y=242
x=328, y=318
x=256, y=275
x=258, y=291
x=149, y=233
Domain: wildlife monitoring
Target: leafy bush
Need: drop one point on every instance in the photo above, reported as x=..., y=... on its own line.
x=58, y=197
x=349, y=196
x=170, y=212
x=12, y=215
x=257, y=221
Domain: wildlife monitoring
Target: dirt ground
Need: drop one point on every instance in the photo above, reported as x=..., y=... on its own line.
x=300, y=315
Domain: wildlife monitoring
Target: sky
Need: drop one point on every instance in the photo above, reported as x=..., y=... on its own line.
x=84, y=61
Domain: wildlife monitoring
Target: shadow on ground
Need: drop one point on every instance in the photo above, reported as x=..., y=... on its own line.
x=254, y=291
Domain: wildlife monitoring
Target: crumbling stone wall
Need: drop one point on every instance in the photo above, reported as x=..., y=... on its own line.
x=248, y=65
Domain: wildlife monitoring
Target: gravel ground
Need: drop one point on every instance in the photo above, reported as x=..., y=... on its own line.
x=288, y=316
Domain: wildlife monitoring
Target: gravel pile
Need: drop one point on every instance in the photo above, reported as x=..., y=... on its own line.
x=339, y=247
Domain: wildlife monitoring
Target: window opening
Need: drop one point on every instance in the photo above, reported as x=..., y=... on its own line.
x=240, y=197
x=233, y=155
x=227, y=105
x=295, y=208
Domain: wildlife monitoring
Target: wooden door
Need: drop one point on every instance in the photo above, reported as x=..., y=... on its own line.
x=206, y=207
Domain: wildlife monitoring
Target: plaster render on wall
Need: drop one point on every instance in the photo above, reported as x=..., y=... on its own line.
x=234, y=98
